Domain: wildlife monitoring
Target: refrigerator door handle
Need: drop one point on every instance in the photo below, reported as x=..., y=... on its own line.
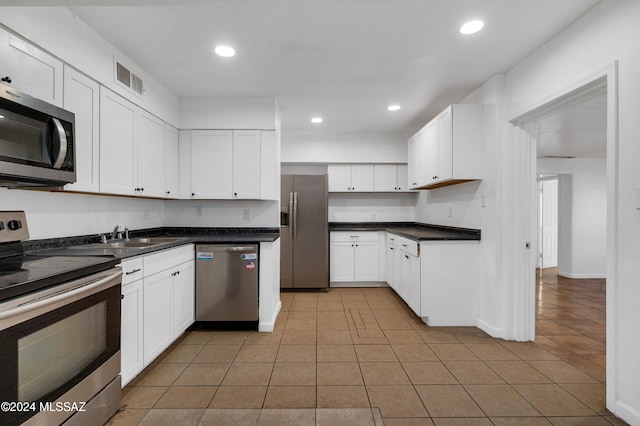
x=295, y=215
x=292, y=216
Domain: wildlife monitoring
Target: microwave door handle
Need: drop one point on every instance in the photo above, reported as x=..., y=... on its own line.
x=59, y=134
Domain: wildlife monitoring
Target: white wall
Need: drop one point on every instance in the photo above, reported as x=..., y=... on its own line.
x=345, y=148
x=219, y=213
x=229, y=113
x=582, y=202
x=54, y=214
x=58, y=31
x=345, y=207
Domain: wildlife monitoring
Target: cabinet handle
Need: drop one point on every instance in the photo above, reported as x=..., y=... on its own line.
x=235, y=194
x=391, y=248
x=414, y=183
x=6, y=79
x=168, y=192
x=356, y=245
x=404, y=245
x=193, y=194
x=133, y=272
x=122, y=297
x=406, y=256
x=142, y=189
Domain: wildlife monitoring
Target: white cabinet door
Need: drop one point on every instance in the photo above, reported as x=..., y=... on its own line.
x=246, y=164
x=413, y=282
x=403, y=178
x=270, y=166
x=150, y=146
x=82, y=97
x=366, y=262
x=30, y=69
x=415, y=163
x=183, y=298
x=385, y=177
x=157, y=325
x=362, y=177
x=171, y=162
x=445, y=145
x=211, y=164
x=342, y=261
x=131, y=348
x=339, y=177
x=430, y=156
x=118, y=154
x=390, y=260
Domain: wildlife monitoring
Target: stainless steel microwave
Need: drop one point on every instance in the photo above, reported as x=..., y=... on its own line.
x=36, y=142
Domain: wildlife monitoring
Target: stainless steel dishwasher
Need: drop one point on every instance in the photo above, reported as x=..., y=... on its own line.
x=227, y=285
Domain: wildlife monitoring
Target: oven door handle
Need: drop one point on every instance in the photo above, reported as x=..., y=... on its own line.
x=50, y=302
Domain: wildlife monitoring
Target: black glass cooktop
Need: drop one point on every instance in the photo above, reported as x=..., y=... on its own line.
x=23, y=274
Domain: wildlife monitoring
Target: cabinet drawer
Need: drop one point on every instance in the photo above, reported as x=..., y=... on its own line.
x=405, y=244
x=132, y=270
x=354, y=236
x=166, y=259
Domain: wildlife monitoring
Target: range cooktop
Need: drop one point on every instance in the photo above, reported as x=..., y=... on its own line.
x=22, y=273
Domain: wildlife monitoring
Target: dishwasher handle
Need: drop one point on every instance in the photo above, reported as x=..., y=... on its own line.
x=229, y=248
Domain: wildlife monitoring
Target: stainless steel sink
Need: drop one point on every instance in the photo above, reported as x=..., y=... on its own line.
x=134, y=243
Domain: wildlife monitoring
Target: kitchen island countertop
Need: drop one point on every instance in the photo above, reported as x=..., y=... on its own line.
x=411, y=230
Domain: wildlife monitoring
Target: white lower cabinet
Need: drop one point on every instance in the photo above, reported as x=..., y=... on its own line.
x=131, y=356
x=157, y=305
x=437, y=279
x=355, y=257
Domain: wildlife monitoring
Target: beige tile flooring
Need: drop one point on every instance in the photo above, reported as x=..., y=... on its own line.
x=359, y=356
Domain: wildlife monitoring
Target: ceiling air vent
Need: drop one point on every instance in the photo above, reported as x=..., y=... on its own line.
x=129, y=79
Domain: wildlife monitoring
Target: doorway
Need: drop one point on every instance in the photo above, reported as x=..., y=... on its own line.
x=547, y=221
x=527, y=135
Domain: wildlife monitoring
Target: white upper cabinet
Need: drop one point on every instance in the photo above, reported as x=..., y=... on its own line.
x=390, y=177
x=211, y=164
x=150, y=147
x=131, y=148
x=448, y=150
x=29, y=69
x=229, y=164
x=171, y=162
x=350, y=177
x=246, y=164
x=118, y=153
x=82, y=97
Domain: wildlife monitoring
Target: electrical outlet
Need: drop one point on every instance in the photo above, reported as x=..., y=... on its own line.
x=198, y=211
x=145, y=215
x=246, y=214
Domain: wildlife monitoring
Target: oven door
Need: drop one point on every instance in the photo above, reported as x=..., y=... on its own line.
x=54, y=339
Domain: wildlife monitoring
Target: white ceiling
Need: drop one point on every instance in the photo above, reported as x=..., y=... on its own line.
x=345, y=60
x=577, y=131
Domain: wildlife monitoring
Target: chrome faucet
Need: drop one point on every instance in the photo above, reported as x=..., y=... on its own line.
x=115, y=232
x=126, y=233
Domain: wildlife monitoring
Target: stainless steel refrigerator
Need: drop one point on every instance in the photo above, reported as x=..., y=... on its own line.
x=304, y=232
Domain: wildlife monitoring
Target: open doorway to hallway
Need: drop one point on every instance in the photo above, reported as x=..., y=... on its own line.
x=571, y=147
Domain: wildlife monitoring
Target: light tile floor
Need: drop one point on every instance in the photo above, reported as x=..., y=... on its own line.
x=359, y=356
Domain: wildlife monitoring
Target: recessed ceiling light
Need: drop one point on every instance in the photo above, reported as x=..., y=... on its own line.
x=225, y=51
x=393, y=107
x=316, y=120
x=471, y=27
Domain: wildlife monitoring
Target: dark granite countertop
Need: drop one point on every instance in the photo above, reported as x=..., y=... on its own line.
x=411, y=230
x=69, y=246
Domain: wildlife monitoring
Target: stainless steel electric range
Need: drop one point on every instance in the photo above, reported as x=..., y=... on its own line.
x=59, y=334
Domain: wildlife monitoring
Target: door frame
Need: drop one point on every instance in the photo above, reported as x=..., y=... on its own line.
x=525, y=132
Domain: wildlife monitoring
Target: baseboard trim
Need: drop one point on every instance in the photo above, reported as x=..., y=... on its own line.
x=489, y=329
x=268, y=327
x=581, y=276
x=355, y=284
x=627, y=413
